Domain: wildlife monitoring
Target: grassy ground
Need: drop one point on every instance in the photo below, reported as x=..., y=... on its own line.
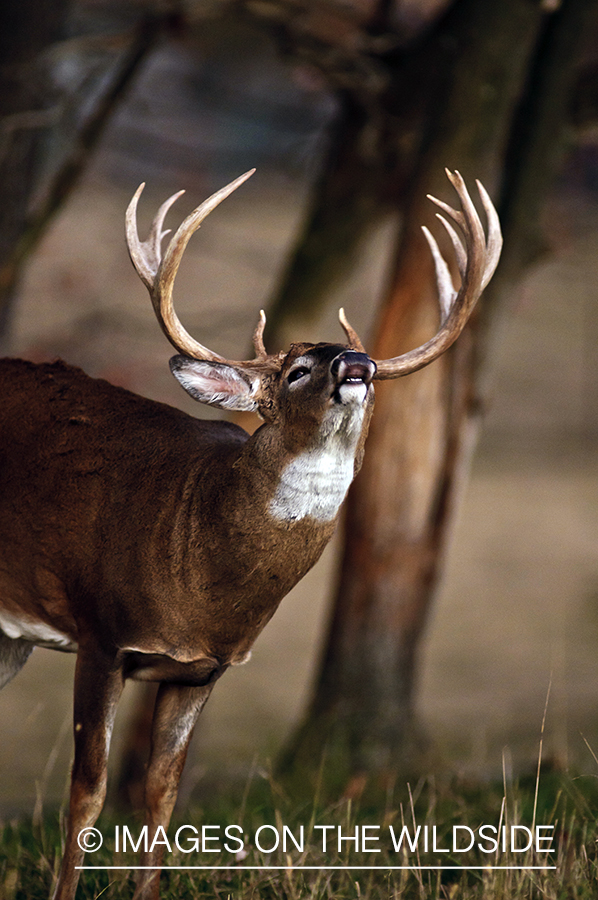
x=565, y=805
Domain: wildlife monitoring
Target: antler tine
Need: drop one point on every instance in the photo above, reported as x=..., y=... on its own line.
x=460, y=253
x=145, y=255
x=161, y=290
x=158, y=274
x=477, y=261
x=494, y=239
x=352, y=336
x=156, y=233
x=258, y=337
x=446, y=291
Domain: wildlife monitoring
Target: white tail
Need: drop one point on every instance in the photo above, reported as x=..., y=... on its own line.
x=158, y=546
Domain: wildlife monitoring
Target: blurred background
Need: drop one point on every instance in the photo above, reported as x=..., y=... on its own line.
x=212, y=90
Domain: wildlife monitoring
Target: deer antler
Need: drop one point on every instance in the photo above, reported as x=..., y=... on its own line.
x=352, y=336
x=158, y=274
x=476, y=261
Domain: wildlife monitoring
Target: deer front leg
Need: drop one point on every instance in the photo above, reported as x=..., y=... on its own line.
x=98, y=686
x=177, y=710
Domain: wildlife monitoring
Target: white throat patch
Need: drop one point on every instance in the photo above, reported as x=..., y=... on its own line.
x=315, y=483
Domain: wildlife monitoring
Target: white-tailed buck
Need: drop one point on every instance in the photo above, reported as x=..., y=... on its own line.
x=157, y=546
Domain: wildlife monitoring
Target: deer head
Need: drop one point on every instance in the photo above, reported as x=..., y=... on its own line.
x=253, y=380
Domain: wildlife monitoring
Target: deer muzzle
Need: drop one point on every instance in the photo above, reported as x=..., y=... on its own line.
x=352, y=373
x=352, y=367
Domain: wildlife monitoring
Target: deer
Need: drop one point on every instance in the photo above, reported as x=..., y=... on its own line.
x=157, y=545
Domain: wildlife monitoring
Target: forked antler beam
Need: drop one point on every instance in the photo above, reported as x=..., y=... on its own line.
x=476, y=261
x=158, y=273
x=476, y=258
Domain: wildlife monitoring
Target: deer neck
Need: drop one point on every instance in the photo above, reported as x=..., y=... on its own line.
x=308, y=476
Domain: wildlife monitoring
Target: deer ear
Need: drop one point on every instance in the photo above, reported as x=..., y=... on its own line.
x=215, y=383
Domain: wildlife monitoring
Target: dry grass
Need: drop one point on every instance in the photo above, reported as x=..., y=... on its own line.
x=29, y=854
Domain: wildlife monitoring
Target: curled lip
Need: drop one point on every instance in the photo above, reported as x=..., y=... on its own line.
x=352, y=368
x=361, y=368
x=351, y=380
x=355, y=379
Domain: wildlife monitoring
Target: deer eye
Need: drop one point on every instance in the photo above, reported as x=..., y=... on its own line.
x=296, y=374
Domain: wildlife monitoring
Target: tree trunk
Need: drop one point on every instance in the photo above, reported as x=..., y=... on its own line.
x=399, y=508
x=346, y=204
x=27, y=28
x=26, y=117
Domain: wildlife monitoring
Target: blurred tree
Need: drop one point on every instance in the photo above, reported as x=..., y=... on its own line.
x=484, y=89
x=37, y=115
x=27, y=29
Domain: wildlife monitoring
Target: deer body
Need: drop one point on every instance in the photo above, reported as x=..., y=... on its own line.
x=158, y=546
x=189, y=522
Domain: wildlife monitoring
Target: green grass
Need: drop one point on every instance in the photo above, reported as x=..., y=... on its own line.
x=29, y=854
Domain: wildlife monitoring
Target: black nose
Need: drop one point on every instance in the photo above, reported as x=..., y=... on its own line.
x=352, y=366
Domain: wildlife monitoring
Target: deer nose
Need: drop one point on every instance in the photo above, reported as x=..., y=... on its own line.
x=351, y=366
